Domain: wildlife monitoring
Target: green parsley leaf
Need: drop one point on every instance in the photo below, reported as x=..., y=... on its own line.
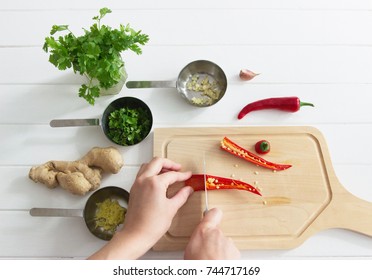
x=89, y=93
x=104, y=11
x=56, y=28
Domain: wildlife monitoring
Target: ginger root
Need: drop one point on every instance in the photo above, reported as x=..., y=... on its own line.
x=81, y=176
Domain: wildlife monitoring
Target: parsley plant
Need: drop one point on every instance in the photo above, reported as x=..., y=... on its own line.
x=96, y=54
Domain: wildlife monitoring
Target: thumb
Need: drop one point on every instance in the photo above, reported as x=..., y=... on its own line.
x=180, y=198
x=212, y=218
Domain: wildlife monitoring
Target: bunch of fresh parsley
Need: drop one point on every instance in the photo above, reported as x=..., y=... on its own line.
x=96, y=54
x=129, y=126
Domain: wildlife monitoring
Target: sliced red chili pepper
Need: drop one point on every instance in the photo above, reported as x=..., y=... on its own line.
x=196, y=181
x=233, y=148
x=289, y=104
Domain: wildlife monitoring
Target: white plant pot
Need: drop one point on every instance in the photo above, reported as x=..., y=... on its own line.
x=116, y=88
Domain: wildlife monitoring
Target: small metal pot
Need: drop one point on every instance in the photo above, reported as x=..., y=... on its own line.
x=203, y=69
x=89, y=211
x=123, y=102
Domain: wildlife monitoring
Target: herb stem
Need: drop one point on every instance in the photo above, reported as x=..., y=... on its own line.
x=71, y=32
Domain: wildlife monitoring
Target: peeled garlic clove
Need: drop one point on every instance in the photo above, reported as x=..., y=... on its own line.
x=247, y=75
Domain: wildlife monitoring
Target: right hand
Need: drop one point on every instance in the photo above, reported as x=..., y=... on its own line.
x=208, y=242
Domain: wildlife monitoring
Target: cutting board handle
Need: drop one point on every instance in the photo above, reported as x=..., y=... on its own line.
x=349, y=212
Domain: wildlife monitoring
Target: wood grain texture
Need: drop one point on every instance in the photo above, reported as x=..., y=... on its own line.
x=295, y=204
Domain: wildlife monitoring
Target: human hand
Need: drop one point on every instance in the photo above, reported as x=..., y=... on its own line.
x=207, y=242
x=150, y=211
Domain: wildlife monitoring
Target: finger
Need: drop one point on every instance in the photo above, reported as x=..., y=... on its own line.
x=171, y=177
x=164, y=170
x=212, y=218
x=156, y=165
x=180, y=198
x=141, y=170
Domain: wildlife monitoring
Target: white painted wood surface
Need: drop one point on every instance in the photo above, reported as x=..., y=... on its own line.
x=318, y=50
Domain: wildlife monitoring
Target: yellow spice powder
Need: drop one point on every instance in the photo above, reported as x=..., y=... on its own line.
x=109, y=214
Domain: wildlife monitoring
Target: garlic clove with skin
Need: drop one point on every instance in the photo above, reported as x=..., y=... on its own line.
x=247, y=75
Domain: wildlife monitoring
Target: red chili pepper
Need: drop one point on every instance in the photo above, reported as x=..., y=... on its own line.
x=196, y=181
x=289, y=104
x=262, y=147
x=235, y=149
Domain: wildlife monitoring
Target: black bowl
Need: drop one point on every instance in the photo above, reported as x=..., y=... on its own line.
x=130, y=103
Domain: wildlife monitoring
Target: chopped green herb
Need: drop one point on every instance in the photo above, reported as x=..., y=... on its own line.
x=129, y=126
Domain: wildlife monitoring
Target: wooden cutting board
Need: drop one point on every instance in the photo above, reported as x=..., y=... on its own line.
x=295, y=204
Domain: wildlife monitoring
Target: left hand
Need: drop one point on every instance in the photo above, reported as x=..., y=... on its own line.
x=150, y=211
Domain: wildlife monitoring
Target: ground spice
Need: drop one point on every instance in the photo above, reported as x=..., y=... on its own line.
x=109, y=214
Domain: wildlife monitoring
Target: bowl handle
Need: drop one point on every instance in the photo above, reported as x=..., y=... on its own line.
x=74, y=122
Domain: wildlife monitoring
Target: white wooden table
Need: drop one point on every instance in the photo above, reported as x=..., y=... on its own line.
x=318, y=50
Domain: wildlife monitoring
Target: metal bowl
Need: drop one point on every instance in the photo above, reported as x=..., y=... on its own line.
x=90, y=210
x=202, y=70
x=125, y=102
x=196, y=71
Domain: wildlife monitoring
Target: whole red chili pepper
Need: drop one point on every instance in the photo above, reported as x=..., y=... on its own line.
x=262, y=147
x=235, y=149
x=289, y=104
x=196, y=181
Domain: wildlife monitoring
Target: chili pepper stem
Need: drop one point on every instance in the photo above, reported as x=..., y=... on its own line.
x=264, y=146
x=306, y=104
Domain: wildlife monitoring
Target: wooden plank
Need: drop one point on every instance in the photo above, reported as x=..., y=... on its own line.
x=324, y=96
x=191, y=4
x=20, y=193
x=277, y=64
x=45, y=236
x=71, y=143
x=50, y=143
x=247, y=26
x=47, y=239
